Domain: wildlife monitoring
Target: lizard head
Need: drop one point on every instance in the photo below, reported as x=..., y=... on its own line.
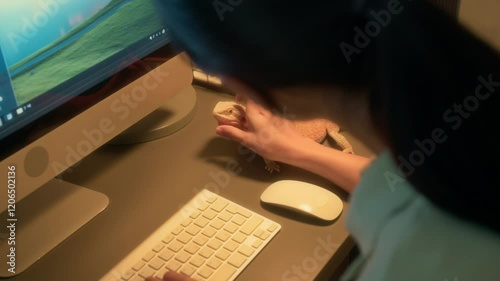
x=229, y=113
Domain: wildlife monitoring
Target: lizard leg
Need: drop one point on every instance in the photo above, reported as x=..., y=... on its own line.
x=271, y=166
x=333, y=132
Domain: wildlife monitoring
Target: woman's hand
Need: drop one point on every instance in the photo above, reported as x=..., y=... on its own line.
x=265, y=132
x=268, y=134
x=276, y=138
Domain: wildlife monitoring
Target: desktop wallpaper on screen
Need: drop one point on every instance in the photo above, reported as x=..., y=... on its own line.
x=45, y=43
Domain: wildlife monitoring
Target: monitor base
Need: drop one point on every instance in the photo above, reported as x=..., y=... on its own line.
x=166, y=120
x=44, y=219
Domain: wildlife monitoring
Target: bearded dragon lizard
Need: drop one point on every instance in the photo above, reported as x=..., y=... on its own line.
x=233, y=113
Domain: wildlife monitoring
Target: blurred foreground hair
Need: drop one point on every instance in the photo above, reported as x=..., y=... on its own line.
x=434, y=86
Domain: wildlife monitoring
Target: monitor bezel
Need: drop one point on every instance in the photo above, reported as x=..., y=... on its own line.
x=38, y=161
x=129, y=71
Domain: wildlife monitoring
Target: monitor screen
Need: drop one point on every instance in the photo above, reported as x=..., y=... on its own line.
x=54, y=50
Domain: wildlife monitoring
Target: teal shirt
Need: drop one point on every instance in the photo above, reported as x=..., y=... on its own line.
x=403, y=237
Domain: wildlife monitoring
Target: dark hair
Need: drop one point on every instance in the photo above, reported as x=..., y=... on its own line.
x=421, y=68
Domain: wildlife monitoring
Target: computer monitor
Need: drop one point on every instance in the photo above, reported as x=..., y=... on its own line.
x=75, y=75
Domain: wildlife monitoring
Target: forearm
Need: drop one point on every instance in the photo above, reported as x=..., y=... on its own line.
x=341, y=168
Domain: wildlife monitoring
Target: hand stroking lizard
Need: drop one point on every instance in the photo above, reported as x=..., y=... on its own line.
x=233, y=114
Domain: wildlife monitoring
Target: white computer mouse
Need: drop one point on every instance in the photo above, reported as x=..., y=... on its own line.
x=304, y=198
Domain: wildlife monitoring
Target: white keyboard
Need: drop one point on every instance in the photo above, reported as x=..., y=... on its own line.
x=210, y=238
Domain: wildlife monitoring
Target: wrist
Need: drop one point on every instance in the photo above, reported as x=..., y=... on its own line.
x=300, y=152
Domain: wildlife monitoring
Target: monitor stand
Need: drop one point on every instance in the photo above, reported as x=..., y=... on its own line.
x=166, y=120
x=71, y=206
x=42, y=228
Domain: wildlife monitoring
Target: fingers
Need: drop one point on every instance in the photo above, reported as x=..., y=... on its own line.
x=248, y=139
x=231, y=132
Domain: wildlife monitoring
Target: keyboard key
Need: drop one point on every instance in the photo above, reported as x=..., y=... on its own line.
x=175, y=246
x=138, y=265
x=206, y=252
x=258, y=232
x=187, y=270
x=159, y=247
x=239, y=237
x=161, y=272
x=205, y=272
x=186, y=222
x=193, y=230
x=272, y=227
x=147, y=257
x=230, y=227
x=223, y=236
x=195, y=214
x=225, y=216
x=157, y=263
x=168, y=238
x=233, y=209
x=264, y=235
x=224, y=273
x=239, y=220
x=257, y=243
x=202, y=206
x=217, y=224
x=146, y=272
x=184, y=237
x=209, y=214
x=246, y=251
x=201, y=222
x=200, y=240
x=214, y=244
x=173, y=265
x=128, y=275
x=166, y=254
x=177, y=230
x=244, y=212
x=223, y=254
x=210, y=198
x=197, y=261
x=251, y=225
x=230, y=246
x=182, y=257
x=218, y=205
x=192, y=248
x=214, y=263
x=209, y=232
x=237, y=259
